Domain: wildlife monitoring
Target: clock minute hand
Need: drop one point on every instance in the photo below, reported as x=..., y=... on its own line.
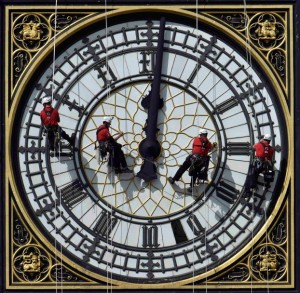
x=150, y=148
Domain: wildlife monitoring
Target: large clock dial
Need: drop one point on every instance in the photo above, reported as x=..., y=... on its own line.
x=150, y=232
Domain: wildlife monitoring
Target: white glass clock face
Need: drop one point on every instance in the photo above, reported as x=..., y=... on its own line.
x=145, y=232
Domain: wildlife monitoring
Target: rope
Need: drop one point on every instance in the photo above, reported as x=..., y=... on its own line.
x=55, y=147
x=249, y=61
x=111, y=158
x=192, y=179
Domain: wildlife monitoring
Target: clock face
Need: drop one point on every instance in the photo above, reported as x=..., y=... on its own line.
x=149, y=232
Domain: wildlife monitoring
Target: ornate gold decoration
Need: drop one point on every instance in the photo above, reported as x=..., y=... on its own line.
x=267, y=31
x=31, y=263
x=20, y=233
x=31, y=31
x=61, y=20
x=268, y=262
x=238, y=21
x=278, y=235
x=21, y=59
x=59, y=273
x=277, y=58
x=265, y=262
x=239, y=273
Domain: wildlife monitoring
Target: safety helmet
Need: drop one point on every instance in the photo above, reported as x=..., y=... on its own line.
x=108, y=119
x=267, y=137
x=203, y=132
x=46, y=100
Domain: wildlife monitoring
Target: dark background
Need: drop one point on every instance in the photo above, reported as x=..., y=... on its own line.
x=296, y=4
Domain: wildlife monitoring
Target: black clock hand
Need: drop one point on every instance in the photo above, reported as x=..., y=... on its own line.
x=150, y=148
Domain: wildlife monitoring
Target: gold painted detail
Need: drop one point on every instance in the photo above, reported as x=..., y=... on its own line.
x=21, y=236
x=31, y=263
x=277, y=57
x=59, y=273
x=31, y=32
x=239, y=273
x=238, y=21
x=267, y=31
x=60, y=21
x=21, y=59
x=265, y=262
x=278, y=235
x=268, y=262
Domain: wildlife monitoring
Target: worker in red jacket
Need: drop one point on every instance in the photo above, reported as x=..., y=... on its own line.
x=262, y=163
x=50, y=120
x=198, y=159
x=108, y=144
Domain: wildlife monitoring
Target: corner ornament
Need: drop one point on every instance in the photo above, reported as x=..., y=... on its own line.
x=267, y=31
x=31, y=264
x=268, y=263
x=31, y=32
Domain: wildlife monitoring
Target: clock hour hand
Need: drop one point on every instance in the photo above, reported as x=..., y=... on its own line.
x=150, y=148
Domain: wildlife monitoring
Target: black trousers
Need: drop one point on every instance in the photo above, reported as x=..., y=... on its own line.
x=187, y=164
x=52, y=133
x=252, y=178
x=117, y=158
x=256, y=168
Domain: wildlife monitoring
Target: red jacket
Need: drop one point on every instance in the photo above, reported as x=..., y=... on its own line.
x=263, y=150
x=201, y=146
x=49, y=116
x=103, y=133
